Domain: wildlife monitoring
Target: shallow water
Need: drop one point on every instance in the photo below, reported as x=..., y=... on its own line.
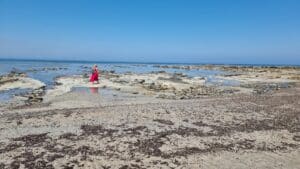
x=35, y=69
x=6, y=95
x=104, y=93
x=47, y=71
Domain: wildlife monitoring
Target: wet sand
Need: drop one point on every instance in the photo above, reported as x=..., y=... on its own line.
x=113, y=126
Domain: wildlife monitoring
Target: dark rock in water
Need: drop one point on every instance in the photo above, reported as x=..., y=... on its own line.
x=32, y=70
x=85, y=67
x=11, y=76
x=174, y=79
x=232, y=74
x=128, y=73
x=135, y=92
x=158, y=72
x=180, y=75
x=57, y=83
x=16, y=73
x=35, y=96
x=85, y=75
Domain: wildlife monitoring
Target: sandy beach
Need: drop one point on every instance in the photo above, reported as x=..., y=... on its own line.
x=154, y=120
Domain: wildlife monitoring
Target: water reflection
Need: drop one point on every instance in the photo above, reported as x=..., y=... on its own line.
x=94, y=90
x=91, y=90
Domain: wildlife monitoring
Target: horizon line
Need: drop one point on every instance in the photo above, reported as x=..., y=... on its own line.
x=133, y=62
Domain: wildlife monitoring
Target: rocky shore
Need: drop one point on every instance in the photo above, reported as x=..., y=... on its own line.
x=155, y=120
x=34, y=89
x=161, y=84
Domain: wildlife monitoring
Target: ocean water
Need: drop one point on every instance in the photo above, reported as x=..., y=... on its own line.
x=47, y=71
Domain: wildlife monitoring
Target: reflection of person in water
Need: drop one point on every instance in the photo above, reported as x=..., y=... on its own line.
x=94, y=89
x=95, y=74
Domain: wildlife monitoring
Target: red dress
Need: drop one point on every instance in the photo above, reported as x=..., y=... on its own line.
x=94, y=76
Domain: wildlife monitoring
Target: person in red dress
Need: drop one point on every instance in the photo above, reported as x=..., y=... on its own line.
x=95, y=74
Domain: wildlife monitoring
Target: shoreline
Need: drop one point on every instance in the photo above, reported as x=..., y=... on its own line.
x=156, y=84
x=155, y=120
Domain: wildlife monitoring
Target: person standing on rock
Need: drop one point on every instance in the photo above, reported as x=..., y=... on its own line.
x=95, y=74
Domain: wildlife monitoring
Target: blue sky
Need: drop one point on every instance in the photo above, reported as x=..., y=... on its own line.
x=211, y=31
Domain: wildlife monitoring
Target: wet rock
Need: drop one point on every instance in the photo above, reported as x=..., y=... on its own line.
x=185, y=67
x=57, y=83
x=16, y=72
x=36, y=96
x=174, y=79
x=85, y=67
x=4, y=80
x=179, y=75
x=13, y=76
x=158, y=72
x=85, y=75
x=128, y=73
x=53, y=68
x=156, y=86
x=121, y=81
x=140, y=81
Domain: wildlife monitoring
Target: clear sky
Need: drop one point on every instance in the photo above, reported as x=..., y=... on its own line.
x=210, y=31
